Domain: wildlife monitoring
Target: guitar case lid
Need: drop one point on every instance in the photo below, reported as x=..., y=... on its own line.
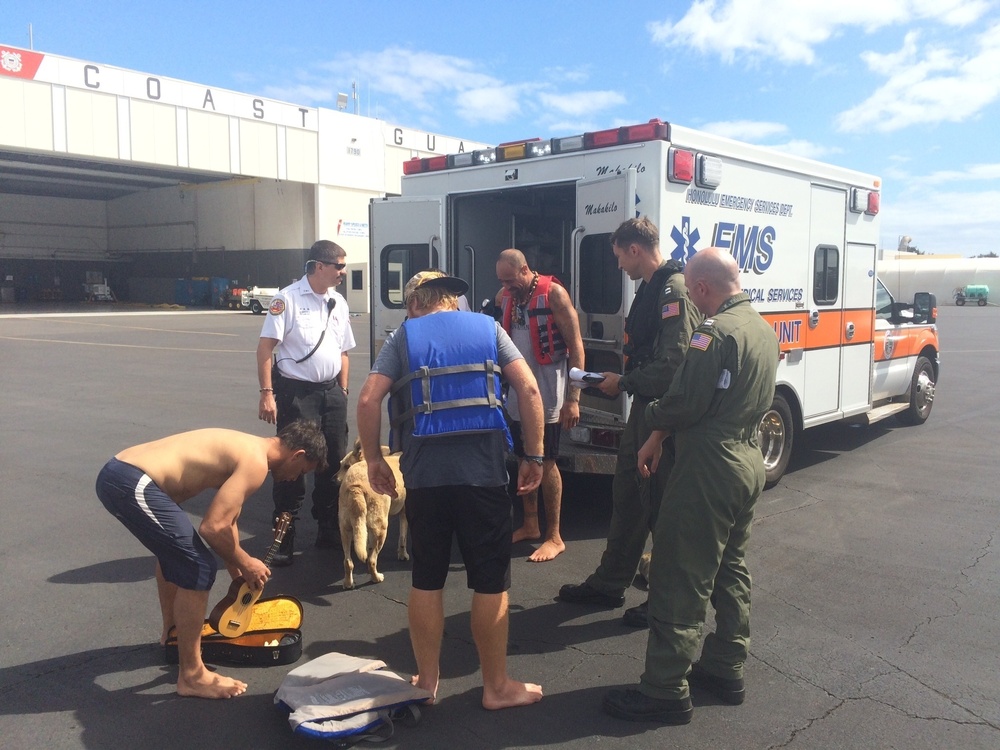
x=273, y=637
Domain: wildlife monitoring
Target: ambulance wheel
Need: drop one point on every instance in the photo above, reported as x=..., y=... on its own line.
x=776, y=435
x=255, y=307
x=921, y=393
x=982, y=302
x=960, y=301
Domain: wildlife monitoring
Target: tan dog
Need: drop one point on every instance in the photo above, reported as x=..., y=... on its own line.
x=364, y=514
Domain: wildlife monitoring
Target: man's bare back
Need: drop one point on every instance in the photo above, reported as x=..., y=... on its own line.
x=184, y=465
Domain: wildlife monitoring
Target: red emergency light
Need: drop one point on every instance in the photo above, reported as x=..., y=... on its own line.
x=680, y=166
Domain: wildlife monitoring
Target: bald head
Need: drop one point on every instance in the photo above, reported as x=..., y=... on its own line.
x=513, y=258
x=712, y=276
x=513, y=272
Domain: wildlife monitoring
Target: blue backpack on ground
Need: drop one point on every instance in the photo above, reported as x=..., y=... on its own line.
x=347, y=699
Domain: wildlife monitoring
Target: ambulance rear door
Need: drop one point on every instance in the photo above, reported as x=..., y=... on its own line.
x=601, y=292
x=407, y=235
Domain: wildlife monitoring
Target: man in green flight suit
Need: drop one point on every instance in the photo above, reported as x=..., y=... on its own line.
x=713, y=409
x=659, y=326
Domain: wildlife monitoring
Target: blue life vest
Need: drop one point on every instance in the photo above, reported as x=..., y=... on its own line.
x=453, y=380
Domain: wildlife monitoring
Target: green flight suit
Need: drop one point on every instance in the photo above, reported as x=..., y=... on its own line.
x=713, y=408
x=657, y=345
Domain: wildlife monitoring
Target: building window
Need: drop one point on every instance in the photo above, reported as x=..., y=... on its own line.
x=357, y=279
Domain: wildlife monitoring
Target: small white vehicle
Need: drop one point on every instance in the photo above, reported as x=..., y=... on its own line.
x=258, y=298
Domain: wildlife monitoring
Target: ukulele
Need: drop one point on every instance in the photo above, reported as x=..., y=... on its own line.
x=231, y=616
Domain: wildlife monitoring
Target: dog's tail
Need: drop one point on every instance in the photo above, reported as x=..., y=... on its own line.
x=360, y=526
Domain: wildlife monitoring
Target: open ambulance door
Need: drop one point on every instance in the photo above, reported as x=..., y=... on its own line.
x=601, y=292
x=407, y=235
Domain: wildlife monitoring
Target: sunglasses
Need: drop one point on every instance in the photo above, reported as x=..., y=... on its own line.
x=338, y=266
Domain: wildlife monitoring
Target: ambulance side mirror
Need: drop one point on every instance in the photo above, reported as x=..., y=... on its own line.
x=924, y=308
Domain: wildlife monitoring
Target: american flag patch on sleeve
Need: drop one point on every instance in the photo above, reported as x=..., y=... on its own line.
x=700, y=340
x=670, y=310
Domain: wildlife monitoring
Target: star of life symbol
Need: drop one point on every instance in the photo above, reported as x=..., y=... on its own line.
x=10, y=60
x=685, y=239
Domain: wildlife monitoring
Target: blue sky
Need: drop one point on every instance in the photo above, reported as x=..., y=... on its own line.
x=905, y=89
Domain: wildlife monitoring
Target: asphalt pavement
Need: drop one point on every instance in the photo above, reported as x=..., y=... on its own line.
x=875, y=565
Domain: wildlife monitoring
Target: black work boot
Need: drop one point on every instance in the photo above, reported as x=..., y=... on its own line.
x=283, y=557
x=584, y=593
x=638, y=616
x=632, y=705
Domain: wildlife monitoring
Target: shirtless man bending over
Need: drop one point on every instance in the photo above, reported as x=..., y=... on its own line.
x=143, y=487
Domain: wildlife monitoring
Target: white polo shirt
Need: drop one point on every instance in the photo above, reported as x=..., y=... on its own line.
x=296, y=318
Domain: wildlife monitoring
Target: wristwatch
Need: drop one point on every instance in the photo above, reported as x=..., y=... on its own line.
x=621, y=385
x=540, y=460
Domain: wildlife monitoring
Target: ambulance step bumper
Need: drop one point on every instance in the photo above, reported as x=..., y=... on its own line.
x=882, y=412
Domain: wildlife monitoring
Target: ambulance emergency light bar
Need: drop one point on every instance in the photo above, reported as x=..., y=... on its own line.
x=533, y=147
x=683, y=166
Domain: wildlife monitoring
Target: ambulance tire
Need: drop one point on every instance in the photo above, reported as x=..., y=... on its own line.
x=921, y=393
x=776, y=435
x=255, y=307
x=982, y=302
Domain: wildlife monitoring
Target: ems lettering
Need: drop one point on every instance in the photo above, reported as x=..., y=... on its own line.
x=752, y=246
x=755, y=294
x=788, y=331
x=784, y=295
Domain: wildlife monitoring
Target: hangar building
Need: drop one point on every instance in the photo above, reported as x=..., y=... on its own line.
x=155, y=186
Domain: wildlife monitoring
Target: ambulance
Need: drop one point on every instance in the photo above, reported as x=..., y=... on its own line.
x=804, y=234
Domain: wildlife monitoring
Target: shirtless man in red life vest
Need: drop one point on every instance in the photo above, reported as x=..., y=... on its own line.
x=538, y=315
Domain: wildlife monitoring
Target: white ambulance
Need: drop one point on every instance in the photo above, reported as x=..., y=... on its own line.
x=804, y=234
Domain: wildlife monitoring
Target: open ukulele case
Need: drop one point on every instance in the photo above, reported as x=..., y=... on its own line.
x=272, y=638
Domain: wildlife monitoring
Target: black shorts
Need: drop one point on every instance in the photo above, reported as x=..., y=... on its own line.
x=159, y=523
x=478, y=517
x=550, y=439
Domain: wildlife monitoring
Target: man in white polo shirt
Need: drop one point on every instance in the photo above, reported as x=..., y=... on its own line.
x=306, y=335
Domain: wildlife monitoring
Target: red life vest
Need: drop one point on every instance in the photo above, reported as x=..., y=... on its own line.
x=547, y=342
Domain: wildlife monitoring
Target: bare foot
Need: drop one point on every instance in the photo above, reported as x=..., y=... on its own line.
x=550, y=549
x=210, y=685
x=513, y=694
x=432, y=689
x=526, y=532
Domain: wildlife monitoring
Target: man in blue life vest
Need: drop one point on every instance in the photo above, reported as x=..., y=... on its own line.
x=441, y=369
x=538, y=315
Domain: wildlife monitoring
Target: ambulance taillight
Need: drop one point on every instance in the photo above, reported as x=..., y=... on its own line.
x=680, y=166
x=865, y=201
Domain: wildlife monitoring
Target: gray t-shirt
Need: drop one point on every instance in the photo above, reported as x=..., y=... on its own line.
x=477, y=459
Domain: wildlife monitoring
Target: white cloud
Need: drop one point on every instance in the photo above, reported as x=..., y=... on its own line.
x=489, y=104
x=580, y=102
x=414, y=84
x=973, y=173
x=762, y=133
x=938, y=86
x=806, y=149
x=790, y=30
x=746, y=130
